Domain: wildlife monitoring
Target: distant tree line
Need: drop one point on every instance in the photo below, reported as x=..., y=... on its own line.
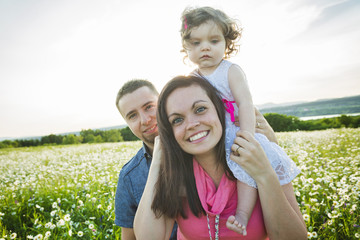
x=279, y=122
x=86, y=136
x=285, y=123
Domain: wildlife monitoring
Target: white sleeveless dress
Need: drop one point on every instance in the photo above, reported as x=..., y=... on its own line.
x=284, y=167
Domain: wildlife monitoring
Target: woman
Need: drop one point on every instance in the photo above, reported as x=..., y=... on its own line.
x=189, y=181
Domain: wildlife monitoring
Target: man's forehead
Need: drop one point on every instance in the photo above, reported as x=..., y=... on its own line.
x=136, y=100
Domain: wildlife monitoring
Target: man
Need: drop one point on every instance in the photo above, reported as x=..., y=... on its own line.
x=137, y=102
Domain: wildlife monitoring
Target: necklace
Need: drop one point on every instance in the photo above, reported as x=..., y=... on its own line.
x=216, y=226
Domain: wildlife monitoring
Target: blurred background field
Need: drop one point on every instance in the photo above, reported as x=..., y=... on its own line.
x=67, y=191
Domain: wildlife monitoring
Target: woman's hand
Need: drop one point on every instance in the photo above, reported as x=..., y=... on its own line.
x=248, y=153
x=146, y=224
x=157, y=152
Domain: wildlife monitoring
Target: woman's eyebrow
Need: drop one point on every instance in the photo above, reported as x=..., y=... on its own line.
x=196, y=102
x=192, y=107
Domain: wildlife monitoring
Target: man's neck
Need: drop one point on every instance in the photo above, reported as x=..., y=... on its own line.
x=149, y=149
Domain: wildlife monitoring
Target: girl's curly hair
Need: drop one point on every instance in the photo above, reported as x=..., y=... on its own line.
x=194, y=17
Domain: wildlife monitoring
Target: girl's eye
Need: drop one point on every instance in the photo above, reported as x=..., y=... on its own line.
x=176, y=121
x=195, y=43
x=215, y=41
x=200, y=109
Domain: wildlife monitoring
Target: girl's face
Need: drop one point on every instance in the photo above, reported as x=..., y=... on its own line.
x=194, y=120
x=206, y=46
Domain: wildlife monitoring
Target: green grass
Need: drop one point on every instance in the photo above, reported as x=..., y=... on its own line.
x=69, y=190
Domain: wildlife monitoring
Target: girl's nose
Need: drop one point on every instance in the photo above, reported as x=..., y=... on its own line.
x=205, y=47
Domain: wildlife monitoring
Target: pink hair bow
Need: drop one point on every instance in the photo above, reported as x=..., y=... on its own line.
x=229, y=108
x=185, y=23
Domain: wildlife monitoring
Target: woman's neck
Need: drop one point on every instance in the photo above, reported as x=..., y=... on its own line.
x=211, y=165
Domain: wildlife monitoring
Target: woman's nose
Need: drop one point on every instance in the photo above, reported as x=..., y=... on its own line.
x=193, y=124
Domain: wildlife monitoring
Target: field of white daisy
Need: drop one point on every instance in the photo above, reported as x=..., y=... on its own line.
x=67, y=192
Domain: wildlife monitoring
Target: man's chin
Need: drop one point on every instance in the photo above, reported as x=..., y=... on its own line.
x=150, y=139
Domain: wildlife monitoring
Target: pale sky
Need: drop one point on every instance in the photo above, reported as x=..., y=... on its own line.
x=63, y=61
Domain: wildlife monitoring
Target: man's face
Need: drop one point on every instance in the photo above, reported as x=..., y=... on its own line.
x=139, y=111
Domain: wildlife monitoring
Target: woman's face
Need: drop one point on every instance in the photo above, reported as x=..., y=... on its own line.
x=194, y=120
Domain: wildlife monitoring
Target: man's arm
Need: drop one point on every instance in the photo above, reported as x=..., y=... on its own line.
x=124, y=208
x=263, y=127
x=127, y=234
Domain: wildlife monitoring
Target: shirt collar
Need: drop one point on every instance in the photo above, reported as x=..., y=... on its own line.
x=147, y=155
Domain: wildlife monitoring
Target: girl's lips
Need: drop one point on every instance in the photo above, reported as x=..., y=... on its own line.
x=205, y=56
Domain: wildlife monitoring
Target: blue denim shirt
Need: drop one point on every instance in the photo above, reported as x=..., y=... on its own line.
x=130, y=187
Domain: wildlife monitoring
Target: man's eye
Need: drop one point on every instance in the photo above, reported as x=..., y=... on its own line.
x=132, y=116
x=149, y=107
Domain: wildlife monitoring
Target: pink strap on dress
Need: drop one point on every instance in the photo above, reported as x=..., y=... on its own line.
x=229, y=108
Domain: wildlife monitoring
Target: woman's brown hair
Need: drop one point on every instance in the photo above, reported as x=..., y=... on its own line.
x=176, y=170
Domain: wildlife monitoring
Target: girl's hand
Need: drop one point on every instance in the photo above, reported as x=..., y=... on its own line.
x=248, y=153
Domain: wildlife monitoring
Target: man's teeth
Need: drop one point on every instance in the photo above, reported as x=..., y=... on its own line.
x=151, y=128
x=198, y=136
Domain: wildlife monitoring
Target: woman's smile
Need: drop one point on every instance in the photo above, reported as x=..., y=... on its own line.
x=198, y=136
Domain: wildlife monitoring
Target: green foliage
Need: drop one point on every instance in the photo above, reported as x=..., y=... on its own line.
x=98, y=136
x=281, y=122
x=86, y=136
x=71, y=139
x=52, y=139
x=127, y=134
x=284, y=123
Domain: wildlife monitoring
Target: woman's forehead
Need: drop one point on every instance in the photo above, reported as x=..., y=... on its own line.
x=185, y=97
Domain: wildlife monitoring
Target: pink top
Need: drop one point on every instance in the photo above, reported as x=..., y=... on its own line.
x=221, y=201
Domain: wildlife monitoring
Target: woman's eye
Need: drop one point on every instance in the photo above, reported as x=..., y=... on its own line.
x=200, y=109
x=176, y=121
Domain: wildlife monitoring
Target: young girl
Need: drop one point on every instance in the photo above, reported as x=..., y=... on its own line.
x=208, y=38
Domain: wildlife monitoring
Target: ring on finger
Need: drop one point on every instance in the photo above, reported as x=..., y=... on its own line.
x=237, y=149
x=258, y=124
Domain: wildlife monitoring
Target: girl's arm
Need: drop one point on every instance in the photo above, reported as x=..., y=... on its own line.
x=240, y=90
x=282, y=216
x=146, y=225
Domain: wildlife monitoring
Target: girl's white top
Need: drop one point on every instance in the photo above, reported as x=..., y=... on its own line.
x=284, y=167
